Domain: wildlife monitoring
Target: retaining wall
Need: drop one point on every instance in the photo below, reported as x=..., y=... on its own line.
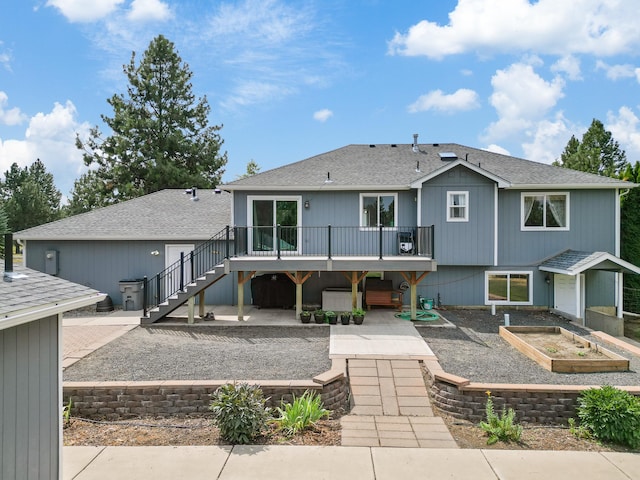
x=119, y=400
x=546, y=404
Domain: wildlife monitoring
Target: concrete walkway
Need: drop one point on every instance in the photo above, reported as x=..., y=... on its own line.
x=338, y=463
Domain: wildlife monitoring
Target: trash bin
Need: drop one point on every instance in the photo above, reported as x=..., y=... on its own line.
x=405, y=243
x=132, y=291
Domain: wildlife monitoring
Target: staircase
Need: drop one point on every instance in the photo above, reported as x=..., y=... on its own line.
x=180, y=298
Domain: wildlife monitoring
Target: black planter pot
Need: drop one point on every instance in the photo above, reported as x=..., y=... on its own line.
x=333, y=319
x=305, y=317
x=345, y=319
x=318, y=317
x=358, y=319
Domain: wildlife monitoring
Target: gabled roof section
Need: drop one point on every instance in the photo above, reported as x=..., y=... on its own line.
x=502, y=183
x=398, y=166
x=27, y=295
x=164, y=215
x=574, y=262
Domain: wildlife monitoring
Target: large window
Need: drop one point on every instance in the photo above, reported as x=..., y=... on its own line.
x=265, y=215
x=545, y=211
x=457, y=206
x=508, y=288
x=378, y=209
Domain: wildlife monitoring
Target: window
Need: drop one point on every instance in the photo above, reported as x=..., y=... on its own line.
x=265, y=214
x=545, y=211
x=457, y=206
x=378, y=209
x=508, y=288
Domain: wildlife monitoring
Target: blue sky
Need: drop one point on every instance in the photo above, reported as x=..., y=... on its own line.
x=292, y=79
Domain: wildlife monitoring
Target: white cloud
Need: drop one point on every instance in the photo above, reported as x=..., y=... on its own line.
x=615, y=72
x=252, y=93
x=12, y=116
x=625, y=128
x=600, y=27
x=84, y=11
x=51, y=138
x=568, y=65
x=460, y=100
x=548, y=139
x=323, y=115
x=497, y=149
x=521, y=97
x=147, y=10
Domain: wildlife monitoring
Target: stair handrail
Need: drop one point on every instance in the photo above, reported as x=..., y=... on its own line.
x=173, y=279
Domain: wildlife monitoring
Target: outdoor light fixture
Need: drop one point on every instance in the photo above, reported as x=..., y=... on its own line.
x=547, y=279
x=155, y=253
x=306, y=204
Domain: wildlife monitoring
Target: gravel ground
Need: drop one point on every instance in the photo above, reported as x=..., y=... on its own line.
x=208, y=353
x=475, y=351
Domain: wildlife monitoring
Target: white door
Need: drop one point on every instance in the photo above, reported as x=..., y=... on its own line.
x=568, y=297
x=172, y=255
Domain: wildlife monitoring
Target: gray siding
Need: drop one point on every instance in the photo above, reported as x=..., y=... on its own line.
x=29, y=402
x=461, y=243
x=102, y=265
x=592, y=228
x=600, y=289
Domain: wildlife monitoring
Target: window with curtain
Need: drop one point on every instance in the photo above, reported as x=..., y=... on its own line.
x=508, y=288
x=378, y=209
x=457, y=206
x=545, y=211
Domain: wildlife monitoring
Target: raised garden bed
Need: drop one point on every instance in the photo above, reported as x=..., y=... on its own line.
x=559, y=350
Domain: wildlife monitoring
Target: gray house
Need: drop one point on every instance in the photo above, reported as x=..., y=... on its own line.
x=452, y=223
x=130, y=240
x=31, y=308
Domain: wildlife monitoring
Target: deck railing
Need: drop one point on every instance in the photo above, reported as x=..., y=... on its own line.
x=283, y=241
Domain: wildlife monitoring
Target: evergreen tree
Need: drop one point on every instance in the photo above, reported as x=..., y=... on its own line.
x=597, y=153
x=30, y=196
x=160, y=137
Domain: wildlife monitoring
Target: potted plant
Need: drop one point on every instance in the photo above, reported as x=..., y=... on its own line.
x=358, y=316
x=345, y=318
x=331, y=317
x=305, y=316
x=318, y=316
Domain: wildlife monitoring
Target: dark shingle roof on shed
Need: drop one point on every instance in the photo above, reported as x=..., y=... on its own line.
x=395, y=166
x=164, y=215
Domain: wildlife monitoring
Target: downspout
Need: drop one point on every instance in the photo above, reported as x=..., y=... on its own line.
x=619, y=276
x=419, y=208
x=495, y=225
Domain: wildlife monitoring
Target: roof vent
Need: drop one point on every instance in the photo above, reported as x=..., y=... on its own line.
x=372, y=146
x=447, y=156
x=393, y=145
x=193, y=191
x=415, y=143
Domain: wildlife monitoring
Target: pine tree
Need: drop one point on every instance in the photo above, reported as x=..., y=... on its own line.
x=160, y=137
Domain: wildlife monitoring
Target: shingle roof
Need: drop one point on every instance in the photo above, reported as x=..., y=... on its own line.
x=394, y=166
x=164, y=215
x=27, y=294
x=573, y=262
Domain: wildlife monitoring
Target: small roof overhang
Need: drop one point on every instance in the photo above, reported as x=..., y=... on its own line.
x=572, y=262
x=502, y=183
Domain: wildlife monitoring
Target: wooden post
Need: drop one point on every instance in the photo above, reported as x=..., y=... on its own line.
x=413, y=282
x=299, y=280
x=201, y=311
x=191, y=308
x=355, y=278
x=242, y=279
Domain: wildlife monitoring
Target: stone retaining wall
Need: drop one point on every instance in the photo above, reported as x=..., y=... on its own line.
x=546, y=404
x=119, y=400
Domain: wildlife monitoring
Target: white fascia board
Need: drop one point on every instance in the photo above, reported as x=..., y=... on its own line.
x=570, y=186
x=51, y=238
x=605, y=256
x=46, y=310
x=502, y=183
x=320, y=187
x=556, y=270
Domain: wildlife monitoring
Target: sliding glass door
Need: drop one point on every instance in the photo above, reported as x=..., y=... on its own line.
x=266, y=213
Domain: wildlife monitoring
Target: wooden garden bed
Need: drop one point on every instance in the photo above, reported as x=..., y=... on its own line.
x=559, y=350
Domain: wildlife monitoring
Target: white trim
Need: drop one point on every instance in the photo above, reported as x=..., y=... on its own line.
x=543, y=228
x=233, y=210
x=465, y=195
x=60, y=399
x=495, y=226
x=274, y=198
x=379, y=194
x=508, y=273
x=502, y=183
x=419, y=207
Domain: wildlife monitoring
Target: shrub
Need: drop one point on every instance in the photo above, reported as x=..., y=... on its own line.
x=302, y=413
x=611, y=414
x=500, y=427
x=239, y=411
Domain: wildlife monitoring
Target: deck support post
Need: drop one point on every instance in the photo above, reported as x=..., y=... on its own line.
x=242, y=279
x=413, y=280
x=201, y=311
x=298, y=278
x=191, y=308
x=355, y=278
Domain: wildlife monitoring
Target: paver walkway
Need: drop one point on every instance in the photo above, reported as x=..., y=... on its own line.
x=390, y=403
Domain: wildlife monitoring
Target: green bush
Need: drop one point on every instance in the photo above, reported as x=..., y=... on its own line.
x=612, y=415
x=302, y=413
x=240, y=412
x=500, y=427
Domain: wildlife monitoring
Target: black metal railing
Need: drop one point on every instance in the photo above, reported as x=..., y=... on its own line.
x=280, y=241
